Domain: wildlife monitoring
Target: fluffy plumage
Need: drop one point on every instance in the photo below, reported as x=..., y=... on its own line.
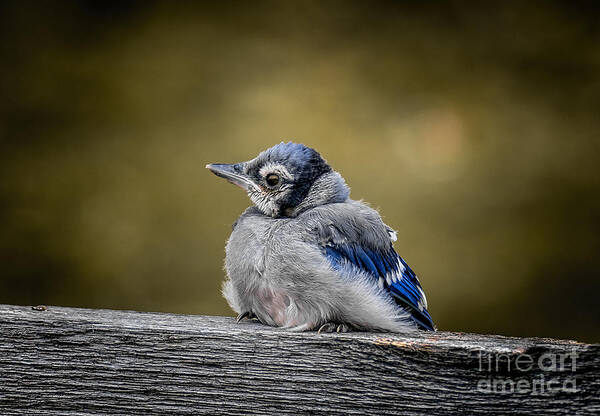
x=306, y=255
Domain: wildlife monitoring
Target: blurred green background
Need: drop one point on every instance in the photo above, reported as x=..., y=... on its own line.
x=474, y=129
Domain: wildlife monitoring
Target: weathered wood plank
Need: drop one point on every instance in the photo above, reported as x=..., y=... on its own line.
x=81, y=361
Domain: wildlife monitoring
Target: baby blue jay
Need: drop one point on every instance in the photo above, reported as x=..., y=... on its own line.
x=306, y=256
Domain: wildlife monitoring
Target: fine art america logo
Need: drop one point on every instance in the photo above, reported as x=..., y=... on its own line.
x=548, y=373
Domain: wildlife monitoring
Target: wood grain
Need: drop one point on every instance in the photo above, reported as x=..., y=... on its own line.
x=82, y=361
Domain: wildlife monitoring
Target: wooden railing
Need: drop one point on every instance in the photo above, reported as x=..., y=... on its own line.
x=82, y=361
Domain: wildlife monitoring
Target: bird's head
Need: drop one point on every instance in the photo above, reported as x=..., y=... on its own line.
x=285, y=180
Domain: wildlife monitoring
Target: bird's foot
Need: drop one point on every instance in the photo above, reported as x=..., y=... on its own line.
x=245, y=315
x=334, y=327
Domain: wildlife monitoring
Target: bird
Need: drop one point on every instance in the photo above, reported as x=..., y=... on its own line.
x=306, y=257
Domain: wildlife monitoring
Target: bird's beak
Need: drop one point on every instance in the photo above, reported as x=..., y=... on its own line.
x=233, y=173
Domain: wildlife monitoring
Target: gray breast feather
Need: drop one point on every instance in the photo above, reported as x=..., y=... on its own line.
x=277, y=269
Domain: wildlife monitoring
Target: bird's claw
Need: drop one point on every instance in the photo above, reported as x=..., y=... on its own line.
x=245, y=315
x=333, y=327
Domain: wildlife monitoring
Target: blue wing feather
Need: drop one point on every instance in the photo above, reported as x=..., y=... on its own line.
x=404, y=287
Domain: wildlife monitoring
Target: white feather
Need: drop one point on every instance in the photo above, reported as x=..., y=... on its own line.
x=393, y=234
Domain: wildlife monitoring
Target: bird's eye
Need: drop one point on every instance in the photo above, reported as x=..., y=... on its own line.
x=272, y=179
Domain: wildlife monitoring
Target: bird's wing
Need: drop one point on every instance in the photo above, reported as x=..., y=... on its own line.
x=347, y=250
